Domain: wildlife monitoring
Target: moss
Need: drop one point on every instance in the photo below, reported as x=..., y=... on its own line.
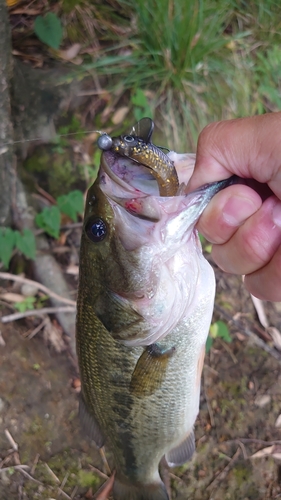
x=88, y=479
x=55, y=169
x=35, y=438
x=241, y=473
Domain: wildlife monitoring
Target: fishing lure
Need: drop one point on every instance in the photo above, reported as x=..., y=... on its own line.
x=138, y=147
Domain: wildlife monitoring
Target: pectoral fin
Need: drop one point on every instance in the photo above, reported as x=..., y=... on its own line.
x=89, y=424
x=182, y=453
x=150, y=370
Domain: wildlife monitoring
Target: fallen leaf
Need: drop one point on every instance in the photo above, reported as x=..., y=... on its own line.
x=12, y=297
x=2, y=341
x=278, y=421
x=259, y=306
x=119, y=115
x=53, y=334
x=89, y=494
x=72, y=269
x=10, y=3
x=262, y=400
x=276, y=336
x=240, y=336
x=277, y=452
x=105, y=490
x=26, y=12
x=265, y=452
x=70, y=53
x=76, y=383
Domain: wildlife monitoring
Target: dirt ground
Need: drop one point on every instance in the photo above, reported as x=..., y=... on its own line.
x=240, y=403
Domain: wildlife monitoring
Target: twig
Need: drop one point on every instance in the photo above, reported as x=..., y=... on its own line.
x=36, y=284
x=24, y=473
x=32, y=334
x=64, y=480
x=65, y=495
x=173, y=476
x=73, y=225
x=257, y=340
x=37, y=312
x=52, y=474
x=245, y=455
x=16, y=467
x=11, y=440
x=34, y=465
x=210, y=410
x=99, y=472
x=228, y=350
x=105, y=462
x=73, y=492
x=252, y=440
x=220, y=477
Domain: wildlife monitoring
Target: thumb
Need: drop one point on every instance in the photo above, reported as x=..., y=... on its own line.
x=248, y=147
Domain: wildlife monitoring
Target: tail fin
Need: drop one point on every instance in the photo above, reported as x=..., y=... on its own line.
x=126, y=491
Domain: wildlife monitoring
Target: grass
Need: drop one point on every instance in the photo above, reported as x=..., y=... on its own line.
x=200, y=61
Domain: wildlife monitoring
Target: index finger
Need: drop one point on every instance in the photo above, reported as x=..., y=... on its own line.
x=248, y=147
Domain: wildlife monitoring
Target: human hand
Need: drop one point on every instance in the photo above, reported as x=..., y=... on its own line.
x=243, y=222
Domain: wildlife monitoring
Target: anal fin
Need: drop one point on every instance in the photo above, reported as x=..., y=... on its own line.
x=150, y=370
x=89, y=424
x=182, y=453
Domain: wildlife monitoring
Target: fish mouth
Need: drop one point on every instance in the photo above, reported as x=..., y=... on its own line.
x=129, y=175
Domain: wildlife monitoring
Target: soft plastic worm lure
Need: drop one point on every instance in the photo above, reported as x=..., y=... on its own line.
x=138, y=147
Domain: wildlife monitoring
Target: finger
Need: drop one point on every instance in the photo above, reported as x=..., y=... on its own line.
x=266, y=282
x=228, y=210
x=248, y=147
x=254, y=243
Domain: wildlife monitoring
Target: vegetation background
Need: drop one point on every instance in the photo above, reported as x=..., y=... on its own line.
x=75, y=67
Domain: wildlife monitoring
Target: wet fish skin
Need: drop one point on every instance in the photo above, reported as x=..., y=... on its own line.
x=143, y=400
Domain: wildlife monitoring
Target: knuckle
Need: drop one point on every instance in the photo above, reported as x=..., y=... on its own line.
x=258, y=247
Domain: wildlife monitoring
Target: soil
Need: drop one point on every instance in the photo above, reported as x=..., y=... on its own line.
x=240, y=403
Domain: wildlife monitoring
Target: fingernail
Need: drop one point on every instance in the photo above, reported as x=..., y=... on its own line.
x=276, y=214
x=237, y=210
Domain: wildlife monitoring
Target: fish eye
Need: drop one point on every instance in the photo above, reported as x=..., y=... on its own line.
x=129, y=138
x=96, y=229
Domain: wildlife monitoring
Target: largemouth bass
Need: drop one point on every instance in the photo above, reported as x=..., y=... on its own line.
x=145, y=303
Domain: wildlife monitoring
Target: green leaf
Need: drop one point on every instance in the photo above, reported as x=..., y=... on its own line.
x=49, y=221
x=139, y=99
x=25, y=243
x=142, y=107
x=24, y=305
x=220, y=329
x=208, y=248
x=71, y=204
x=201, y=238
x=49, y=30
x=7, y=243
x=209, y=344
